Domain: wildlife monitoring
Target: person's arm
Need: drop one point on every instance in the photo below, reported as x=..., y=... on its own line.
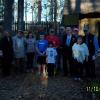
x=58, y=42
x=14, y=44
x=86, y=52
x=56, y=52
x=46, y=48
x=37, y=50
x=25, y=44
x=73, y=51
x=34, y=45
x=96, y=45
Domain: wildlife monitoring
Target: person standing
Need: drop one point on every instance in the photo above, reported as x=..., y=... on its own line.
x=19, y=46
x=68, y=41
x=80, y=56
x=51, y=54
x=75, y=32
x=60, y=49
x=93, y=47
x=41, y=46
x=7, y=53
x=30, y=49
x=54, y=39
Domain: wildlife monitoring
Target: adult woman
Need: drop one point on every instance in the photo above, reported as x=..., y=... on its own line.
x=30, y=44
x=80, y=54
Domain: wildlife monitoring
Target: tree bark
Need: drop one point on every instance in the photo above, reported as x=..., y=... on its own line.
x=8, y=15
x=21, y=15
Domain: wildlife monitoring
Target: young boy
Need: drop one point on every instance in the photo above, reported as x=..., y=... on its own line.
x=51, y=54
x=41, y=47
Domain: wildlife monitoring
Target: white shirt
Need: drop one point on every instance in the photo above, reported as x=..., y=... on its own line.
x=68, y=39
x=80, y=52
x=51, y=54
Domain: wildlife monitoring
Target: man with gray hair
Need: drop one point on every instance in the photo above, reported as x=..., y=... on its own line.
x=19, y=42
x=93, y=46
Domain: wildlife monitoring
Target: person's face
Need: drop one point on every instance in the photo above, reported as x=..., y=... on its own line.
x=41, y=37
x=20, y=34
x=79, y=40
x=86, y=30
x=30, y=35
x=52, y=32
x=75, y=31
x=68, y=30
x=61, y=30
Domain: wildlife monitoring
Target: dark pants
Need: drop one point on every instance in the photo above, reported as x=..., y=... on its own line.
x=30, y=58
x=90, y=68
x=78, y=69
x=59, y=58
x=67, y=62
x=6, y=66
x=50, y=69
x=20, y=65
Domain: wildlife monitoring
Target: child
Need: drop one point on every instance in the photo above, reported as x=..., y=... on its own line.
x=41, y=47
x=51, y=54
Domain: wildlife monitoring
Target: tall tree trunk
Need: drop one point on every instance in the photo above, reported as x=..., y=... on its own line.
x=39, y=10
x=8, y=14
x=55, y=15
x=21, y=15
x=52, y=10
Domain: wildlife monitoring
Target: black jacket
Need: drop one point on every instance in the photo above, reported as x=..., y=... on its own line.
x=7, y=48
x=67, y=50
x=90, y=44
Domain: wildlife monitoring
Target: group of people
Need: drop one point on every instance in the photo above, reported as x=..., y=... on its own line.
x=67, y=52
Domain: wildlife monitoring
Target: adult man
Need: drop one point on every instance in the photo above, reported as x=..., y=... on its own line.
x=68, y=42
x=60, y=48
x=93, y=47
x=52, y=38
x=7, y=53
x=19, y=50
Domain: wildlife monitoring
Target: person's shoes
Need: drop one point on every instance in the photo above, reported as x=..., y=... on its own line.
x=79, y=79
x=75, y=78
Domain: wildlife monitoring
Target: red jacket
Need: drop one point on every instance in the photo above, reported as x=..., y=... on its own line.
x=53, y=39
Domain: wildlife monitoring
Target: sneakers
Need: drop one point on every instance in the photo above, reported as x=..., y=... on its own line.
x=77, y=78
